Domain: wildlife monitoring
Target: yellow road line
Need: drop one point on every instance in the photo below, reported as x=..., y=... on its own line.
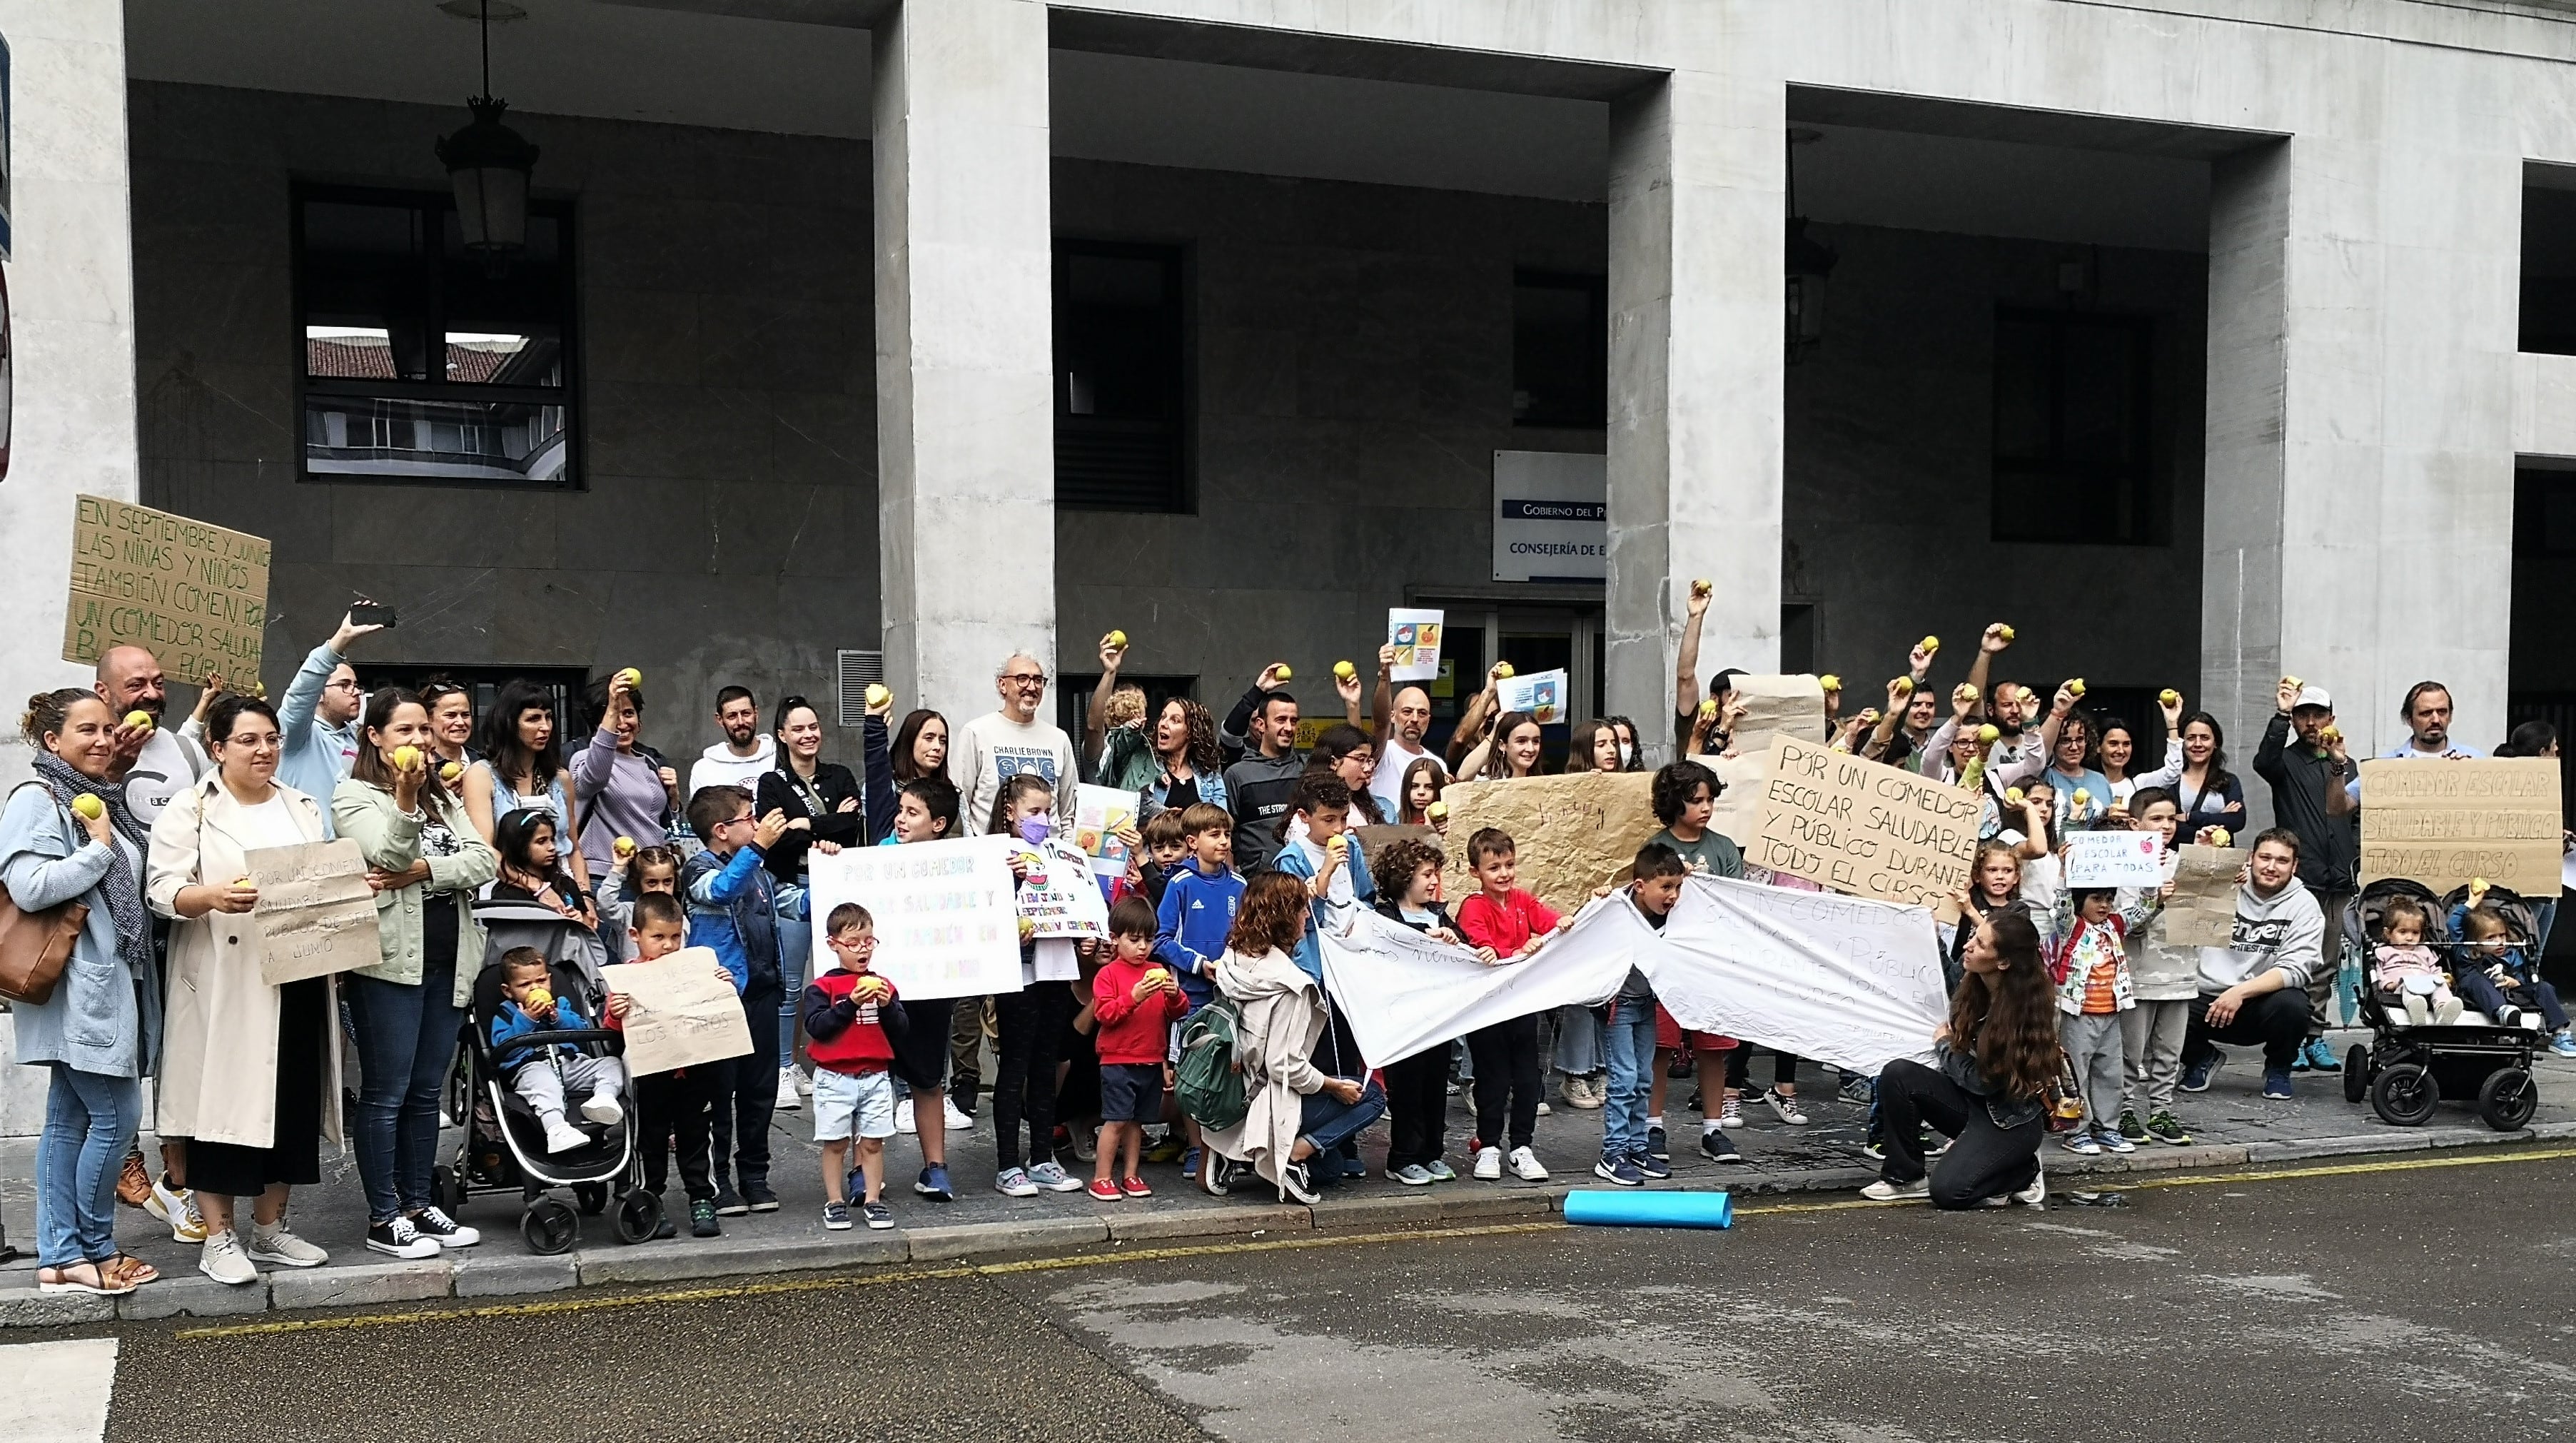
x=782, y=1286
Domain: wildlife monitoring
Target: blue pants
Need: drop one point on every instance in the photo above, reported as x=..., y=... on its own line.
x=89, y=1117
x=2481, y=992
x=795, y=942
x=1628, y=1046
x=1327, y=1122
x=406, y=1038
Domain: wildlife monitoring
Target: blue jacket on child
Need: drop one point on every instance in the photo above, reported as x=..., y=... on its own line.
x=731, y=909
x=1197, y=911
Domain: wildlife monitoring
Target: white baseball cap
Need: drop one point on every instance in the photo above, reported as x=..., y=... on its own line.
x=2313, y=696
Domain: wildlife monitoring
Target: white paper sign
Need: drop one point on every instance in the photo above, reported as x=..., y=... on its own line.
x=945, y=920
x=2114, y=859
x=1404, y=992
x=1541, y=693
x=1551, y=516
x=1058, y=894
x=1415, y=635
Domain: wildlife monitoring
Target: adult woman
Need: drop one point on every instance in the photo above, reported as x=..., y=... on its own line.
x=920, y=750
x=1511, y=752
x=2196, y=771
x=1595, y=748
x=1192, y=768
x=451, y=723
x=824, y=812
x=427, y=860
x=1631, y=759
x=522, y=769
x=620, y=787
x=1998, y=1058
x=2119, y=747
x=250, y=1073
x=98, y=1033
x=2073, y=767
x=1297, y=1108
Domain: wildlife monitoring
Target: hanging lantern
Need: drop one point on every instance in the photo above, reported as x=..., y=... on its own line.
x=488, y=164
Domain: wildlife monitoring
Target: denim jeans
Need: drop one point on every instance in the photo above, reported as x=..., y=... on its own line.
x=1327, y=1122
x=795, y=942
x=89, y=1116
x=1628, y=1046
x=406, y=1039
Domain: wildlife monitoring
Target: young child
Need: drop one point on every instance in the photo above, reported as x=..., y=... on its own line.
x=851, y=1021
x=2406, y=972
x=2494, y=976
x=1316, y=847
x=1417, y=1088
x=1197, y=911
x=673, y=1106
x=1134, y=1000
x=1684, y=795
x=732, y=909
x=2164, y=978
x=543, y=1076
x=2091, y=970
x=1030, y=1024
x=1514, y=925
x=925, y=810
x=1167, y=850
x=648, y=869
x=1628, y=1039
x=529, y=870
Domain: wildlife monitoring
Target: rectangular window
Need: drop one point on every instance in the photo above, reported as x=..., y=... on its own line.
x=1560, y=350
x=1122, y=417
x=422, y=362
x=484, y=683
x=2074, y=395
x=2544, y=512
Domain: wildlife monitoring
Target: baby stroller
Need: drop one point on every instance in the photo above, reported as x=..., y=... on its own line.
x=505, y=1144
x=2406, y=1070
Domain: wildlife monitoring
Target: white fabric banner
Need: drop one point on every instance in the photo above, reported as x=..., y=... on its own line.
x=1404, y=992
x=1844, y=980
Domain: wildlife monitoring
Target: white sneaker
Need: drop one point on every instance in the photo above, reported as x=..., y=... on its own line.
x=2035, y=1195
x=2418, y=1009
x=903, y=1118
x=788, y=1098
x=221, y=1258
x=1885, y=1191
x=2450, y=1012
x=178, y=1208
x=1785, y=1106
x=562, y=1136
x=277, y=1245
x=1730, y=1112
x=604, y=1108
x=1544, y=1110
x=1489, y=1164
x=804, y=1080
x=1525, y=1166
x=957, y=1121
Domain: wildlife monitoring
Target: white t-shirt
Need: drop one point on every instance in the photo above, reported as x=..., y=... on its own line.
x=717, y=766
x=1387, y=782
x=168, y=765
x=270, y=824
x=992, y=747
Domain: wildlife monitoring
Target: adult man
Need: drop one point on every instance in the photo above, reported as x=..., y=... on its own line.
x=746, y=751
x=160, y=762
x=1399, y=718
x=1260, y=785
x=2310, y=798
x=2427, y=714
x=2250, y=990
x=1008, y=742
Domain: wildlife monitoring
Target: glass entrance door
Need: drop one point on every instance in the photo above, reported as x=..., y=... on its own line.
x=1533, y=639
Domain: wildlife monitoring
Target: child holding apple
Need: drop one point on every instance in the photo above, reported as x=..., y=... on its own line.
x=530, y=1005
x=850, y=1023
x=1135, y=1000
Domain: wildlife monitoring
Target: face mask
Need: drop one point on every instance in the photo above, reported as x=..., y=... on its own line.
x=1625, y=754
x=1034, y=829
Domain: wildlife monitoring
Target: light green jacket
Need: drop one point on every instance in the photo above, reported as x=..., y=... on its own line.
x=390, y=839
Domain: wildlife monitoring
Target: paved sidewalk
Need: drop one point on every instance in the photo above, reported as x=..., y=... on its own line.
x=2231, y=1125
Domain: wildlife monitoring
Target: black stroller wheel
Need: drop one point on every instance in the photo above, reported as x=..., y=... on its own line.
x=593, y=1197
x=2356, y=1073
x=447, y=1188
x=638, y=1214
x=2405, y=1095
x=2508, y=1098
x=549, y=1227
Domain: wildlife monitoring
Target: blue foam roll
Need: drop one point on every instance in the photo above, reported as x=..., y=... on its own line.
x=1650, y=1209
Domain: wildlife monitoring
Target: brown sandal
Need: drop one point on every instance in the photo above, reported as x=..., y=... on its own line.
x=128, y=1268
x=60, y=1280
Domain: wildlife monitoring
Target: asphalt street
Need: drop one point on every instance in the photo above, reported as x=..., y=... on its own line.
x=2402, y=1298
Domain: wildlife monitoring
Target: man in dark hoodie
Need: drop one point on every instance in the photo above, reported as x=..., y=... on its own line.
x=2310, y=797
x=2255, y=988
x=1259, y=786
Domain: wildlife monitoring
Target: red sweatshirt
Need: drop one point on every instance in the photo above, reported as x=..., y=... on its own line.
x=843, y=1034
x=1505, y=926
x=1133, y=1033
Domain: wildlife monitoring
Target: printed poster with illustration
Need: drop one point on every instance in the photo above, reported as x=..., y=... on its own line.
x=1541, y=694
x=1098, y=813
x=1415, y=635
x=1058, y=897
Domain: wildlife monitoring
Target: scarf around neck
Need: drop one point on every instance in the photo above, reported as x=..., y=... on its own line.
x=124, y=891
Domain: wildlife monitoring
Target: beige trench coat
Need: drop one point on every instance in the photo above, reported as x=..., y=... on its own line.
x=1283, y=1015
x=219, y=1056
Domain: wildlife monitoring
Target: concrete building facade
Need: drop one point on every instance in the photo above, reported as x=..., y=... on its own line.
x=2257, y=277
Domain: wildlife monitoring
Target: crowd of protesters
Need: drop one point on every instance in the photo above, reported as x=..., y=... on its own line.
x=2070, y=1011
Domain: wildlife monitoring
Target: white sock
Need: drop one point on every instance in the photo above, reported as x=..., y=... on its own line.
x=1708, y=1125
x=1655, y=1121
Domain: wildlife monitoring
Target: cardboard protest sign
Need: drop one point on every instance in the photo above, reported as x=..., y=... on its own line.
x=1374, y=840
x=316, y=914
x=2442, y=822
x=1415, y=635
x=946, y=922
x=2202, y=910
x=1572, y=833
x=1777, y=706
x=194, y=595
x=1863, y=827
x=1058, y=896
x=2114, y=859
x=1542, y=694
x=681, y=1011
x=1738, y=814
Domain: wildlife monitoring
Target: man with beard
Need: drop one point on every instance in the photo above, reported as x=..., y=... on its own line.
x=2427, y=714
x=1400, y=717
x=2314, y=787
x=159, y=762
x=744, y=754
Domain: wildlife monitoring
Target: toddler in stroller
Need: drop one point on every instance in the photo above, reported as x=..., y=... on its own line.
x=2494, y=971
x=2406, y=973
x=543, y=1077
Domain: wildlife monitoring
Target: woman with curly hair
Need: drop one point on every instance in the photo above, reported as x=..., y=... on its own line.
x=1998, y=1056
x=1300, y=1104
x=1192, y=770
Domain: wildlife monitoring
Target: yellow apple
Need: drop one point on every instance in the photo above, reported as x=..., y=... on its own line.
x=1929, y=643
x=406, y=758
x=1830, y=682
x=2169, y=697
x=89, y=806
x=139, y=719
x=879, y=694
x=1990, y=733
x=1117, y=639
x=1344, y=671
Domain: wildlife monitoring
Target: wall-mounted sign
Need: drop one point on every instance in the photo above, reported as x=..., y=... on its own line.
x=1551, y=516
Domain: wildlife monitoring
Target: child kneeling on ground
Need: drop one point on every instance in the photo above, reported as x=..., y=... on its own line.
x=530, y=1005
x=849, y=1014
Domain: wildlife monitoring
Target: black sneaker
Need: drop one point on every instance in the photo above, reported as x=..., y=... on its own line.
x=1716, y=1146
x=702, y=1219
x=757, y=1197
x=1657, y=1146
x=666, y=1228
x=878, y=1215
x=729, y=1204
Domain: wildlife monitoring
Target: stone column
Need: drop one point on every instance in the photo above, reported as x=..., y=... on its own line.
x=966, y=439
x=1697, y=223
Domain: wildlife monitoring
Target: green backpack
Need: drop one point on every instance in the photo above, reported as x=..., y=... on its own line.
x=1210, y=1081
